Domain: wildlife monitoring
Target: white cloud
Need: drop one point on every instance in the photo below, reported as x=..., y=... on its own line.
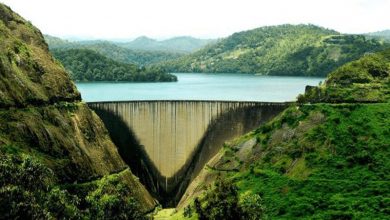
x=200, y=18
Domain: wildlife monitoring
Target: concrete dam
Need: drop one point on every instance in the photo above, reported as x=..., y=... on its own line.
x=167, y=143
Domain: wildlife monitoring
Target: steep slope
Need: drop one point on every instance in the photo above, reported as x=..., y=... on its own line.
x=314, y=161
x=88, y=65
x=176, y=44
x=56, y=157
x=305, y=50
x=114, y=52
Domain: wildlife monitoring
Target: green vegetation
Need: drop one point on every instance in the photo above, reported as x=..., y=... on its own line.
x=40, y=149
x=223, y=203
x=302, y=50
x=30, y=190
x=363, y=80
x=87, y=65
x=26, y=67
x=56, y=42
x=57, y=160
x=314, y=161
x=123, y=55
x=317, y=161
x=176, y=44
x=114, y=51
x=380, y=35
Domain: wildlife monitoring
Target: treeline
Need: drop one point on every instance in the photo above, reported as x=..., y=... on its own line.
x=114, y=51
x=88, y=65
x=301, y=50
x=124, y=55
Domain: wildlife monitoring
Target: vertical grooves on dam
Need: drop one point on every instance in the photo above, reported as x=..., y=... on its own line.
x=170, y=141
x=154, y=124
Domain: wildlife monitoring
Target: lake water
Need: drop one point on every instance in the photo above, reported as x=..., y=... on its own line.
x=196, y=86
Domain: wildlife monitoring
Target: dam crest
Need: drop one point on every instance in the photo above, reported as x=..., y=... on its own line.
x=166, y=143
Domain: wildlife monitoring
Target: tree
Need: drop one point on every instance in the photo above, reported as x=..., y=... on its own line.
x=221, y=202
x=252, y=207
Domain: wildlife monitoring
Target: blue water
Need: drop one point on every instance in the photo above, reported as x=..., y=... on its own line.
x=195, y=86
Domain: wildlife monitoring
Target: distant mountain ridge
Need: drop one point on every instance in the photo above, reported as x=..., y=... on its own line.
x=113, y=51
x=184, y=44
x=306, y=50
x=384, y=35
x=294, y=50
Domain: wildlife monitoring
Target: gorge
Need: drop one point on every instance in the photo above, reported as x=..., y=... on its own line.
x=167, y=143
x=210, y=146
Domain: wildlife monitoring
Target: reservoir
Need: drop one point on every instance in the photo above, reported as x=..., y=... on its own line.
x=167, y=132
x=200, y=86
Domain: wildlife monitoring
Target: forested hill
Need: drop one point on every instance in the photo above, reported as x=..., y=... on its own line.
x=366, y=80
x=113, y=51
x=278, y=50
x=88, y=65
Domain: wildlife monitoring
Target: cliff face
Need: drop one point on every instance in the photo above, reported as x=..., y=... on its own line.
x=29, y=74
x=42, y=118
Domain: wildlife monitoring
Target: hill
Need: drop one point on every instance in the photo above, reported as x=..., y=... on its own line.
x=366, y=80
x=57, y=160
x=176, y=44
x=88, y=65
x=56, y=42
x=302, y=50
x=314, y=161
x=113, y=51
x=382, y=35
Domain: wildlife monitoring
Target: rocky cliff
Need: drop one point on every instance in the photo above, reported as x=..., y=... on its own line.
x=44, y=122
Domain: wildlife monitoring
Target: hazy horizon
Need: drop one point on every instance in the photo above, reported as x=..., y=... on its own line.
x=123, y=20
x=81, y=38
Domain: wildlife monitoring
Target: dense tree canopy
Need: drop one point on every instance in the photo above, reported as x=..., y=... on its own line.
x=305, y=50
x=29, y=190
x=117, y=52
x=88, y=65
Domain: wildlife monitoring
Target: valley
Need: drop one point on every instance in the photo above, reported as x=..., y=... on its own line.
x=289, y=121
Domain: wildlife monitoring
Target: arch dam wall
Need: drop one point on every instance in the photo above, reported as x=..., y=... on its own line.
x=167, y=143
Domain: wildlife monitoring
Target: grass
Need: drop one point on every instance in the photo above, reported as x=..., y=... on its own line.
x=172, y=214
x=343, y=171
x=334, y=164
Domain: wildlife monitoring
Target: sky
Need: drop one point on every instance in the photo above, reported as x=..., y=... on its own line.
x=161, y=19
